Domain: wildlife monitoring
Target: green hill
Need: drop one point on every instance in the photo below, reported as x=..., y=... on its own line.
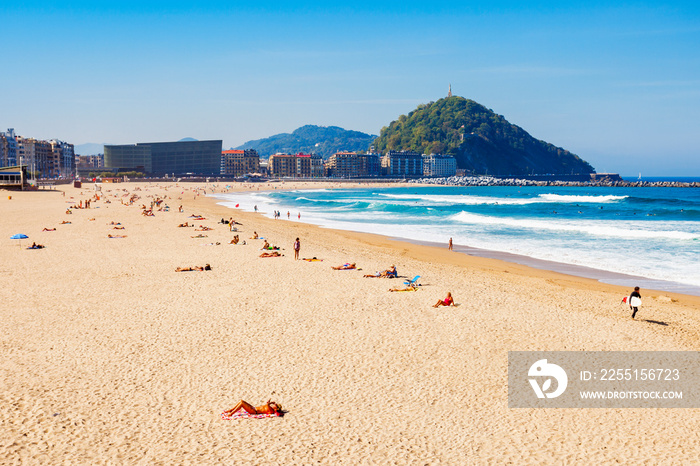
x=322, y=140
x=481, y=141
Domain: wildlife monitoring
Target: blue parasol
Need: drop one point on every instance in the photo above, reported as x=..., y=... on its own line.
x=19, y=236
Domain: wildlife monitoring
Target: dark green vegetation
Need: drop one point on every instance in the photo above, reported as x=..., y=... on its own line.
x=322, y=140
x=481, y=141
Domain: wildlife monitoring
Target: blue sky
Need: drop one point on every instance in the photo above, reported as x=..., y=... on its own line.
x=617, y=84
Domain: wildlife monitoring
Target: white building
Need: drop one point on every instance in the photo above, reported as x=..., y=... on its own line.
x=437, y=165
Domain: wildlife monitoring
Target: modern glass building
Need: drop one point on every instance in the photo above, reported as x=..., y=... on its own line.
x=159, y=158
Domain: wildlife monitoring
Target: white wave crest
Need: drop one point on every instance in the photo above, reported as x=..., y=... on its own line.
x=602, y=229
x=565, y=198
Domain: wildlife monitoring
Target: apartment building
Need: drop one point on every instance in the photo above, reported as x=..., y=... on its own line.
x=436, y=165
x=402, y=164
x=239, y=162
x=297, y=166
x=352, y=165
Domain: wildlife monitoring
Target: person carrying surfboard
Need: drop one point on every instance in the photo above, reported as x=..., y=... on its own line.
x=635, y=301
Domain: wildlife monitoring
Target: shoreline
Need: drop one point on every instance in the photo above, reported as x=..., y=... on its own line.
x=583, y=277
x=620, y=279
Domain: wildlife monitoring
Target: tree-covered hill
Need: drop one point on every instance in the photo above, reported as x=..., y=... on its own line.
x=482, y=141
x=322, y=140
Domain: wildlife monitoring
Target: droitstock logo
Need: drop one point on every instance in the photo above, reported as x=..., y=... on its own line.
x=548, y=371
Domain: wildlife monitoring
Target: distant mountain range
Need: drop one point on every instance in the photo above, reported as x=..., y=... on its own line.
x=322, y=140
x=481, y=141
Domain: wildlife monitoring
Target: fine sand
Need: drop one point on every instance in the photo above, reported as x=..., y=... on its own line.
x=109, y=356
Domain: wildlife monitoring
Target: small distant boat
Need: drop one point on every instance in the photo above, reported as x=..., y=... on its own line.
x=640, y=176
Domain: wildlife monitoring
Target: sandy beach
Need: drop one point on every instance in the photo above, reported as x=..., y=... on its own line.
x=112, y=357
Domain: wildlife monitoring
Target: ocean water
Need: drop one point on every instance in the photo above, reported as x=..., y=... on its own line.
x=652, y=233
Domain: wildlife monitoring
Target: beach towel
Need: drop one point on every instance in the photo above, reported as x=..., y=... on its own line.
x=243, y=414
x=313, y=260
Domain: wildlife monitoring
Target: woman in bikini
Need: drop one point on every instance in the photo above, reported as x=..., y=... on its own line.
x=446, y=302
x=268, y=408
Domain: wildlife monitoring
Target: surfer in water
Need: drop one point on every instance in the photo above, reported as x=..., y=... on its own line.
x=635, y=301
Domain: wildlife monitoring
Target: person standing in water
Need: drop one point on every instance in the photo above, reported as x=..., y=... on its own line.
x=635, y=300
x=449, y=245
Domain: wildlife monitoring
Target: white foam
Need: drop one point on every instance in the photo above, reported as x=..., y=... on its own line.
x=596, y=228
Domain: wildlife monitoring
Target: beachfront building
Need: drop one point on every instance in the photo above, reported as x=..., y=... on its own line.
x=46, y=159
x=352, y=165
x=91, y=162
x=64, y=155
x=296, y=166
x=13, y=177
x=37, y=156
x=160, y=158
x=436, y=165
x=8, y=148
x=240, y=162
x=317, y=166
x=402, y=163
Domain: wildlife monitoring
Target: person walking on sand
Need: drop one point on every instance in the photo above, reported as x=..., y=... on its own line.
x=635, y=301
x=449, y=245
x=297, y=247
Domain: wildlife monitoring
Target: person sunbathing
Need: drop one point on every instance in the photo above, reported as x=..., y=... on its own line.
x=448, y=301
x=266, y=245
x=199, y=236
x=408, y=288
x=65, y=222
x=388, y=273
x=116, y=236
x=114, y=223
x=203, y=228
x=36, y=246
x=271, y=254
x=196, y=268
x=345, y=267
x=183, y=225
x=235, y=240
x=268, y=408
x=118, y=228
x=255, y=235
x=49, y=229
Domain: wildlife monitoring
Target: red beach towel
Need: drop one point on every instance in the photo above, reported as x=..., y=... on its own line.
x=243, y=414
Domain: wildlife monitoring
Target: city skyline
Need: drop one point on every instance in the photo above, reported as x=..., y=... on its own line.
x=616, y=85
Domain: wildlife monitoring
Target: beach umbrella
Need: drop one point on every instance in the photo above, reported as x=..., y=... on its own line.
x=20, y=237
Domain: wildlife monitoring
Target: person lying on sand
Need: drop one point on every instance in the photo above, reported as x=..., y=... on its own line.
x=114, y=223
x=199, y=236
x=36, y=246
x=445, y=302
x=352, y=266
x=116, y=236
x=183, y=225
x=388, y=273
x=271, y=254
x=65, y=222
x=408, y=288
x=196, y=268
x=48, y=229
x=203, y=228
x=268, y=408
x=118, y=228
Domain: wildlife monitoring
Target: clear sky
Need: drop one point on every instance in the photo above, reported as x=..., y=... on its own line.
x=617, y=84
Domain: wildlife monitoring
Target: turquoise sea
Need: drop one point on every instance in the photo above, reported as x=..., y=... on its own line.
x=645, y=236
